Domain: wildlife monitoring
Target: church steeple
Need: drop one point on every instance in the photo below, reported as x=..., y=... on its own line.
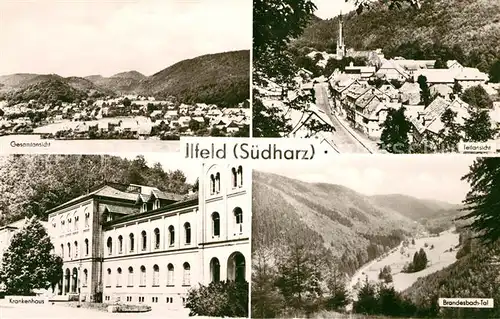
x=340, y=41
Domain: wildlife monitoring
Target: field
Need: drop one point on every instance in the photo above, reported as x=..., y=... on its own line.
x=439, y=257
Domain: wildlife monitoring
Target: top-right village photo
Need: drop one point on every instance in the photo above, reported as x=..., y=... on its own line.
x=388, y=76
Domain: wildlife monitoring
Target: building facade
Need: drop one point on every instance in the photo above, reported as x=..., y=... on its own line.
x=137, y=244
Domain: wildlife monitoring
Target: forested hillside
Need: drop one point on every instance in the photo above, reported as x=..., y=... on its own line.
x=468, y=29
x=222, y=79
x=332, y=217
x=32, y=184
x=476, y=274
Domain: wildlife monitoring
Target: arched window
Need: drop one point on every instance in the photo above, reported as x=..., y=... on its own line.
x=108, y=278
x=62, y=250
x=131, y=242
x=170, y=275
x=156, y=276
x=86, y=247
x=144, y=207
x=157, y=238
x=76, y=249
x=77, y=219
x=214, y=270
x=240, y=176
x=186, y=278
x=85, y=277
x=236, y=267
x=130, y=279
x=187, y=231
x=119, y=277
x=110, y=246
x=238, y=218
x=217, y=182
x=212, y=185
x=142, y=281
x=234, y=179
x=69, y=250
x=157, y=203
x=144, y=243
x=69, y=225
x=87, y=219
x=215, y=224
x=171, y=235
x=120, y=244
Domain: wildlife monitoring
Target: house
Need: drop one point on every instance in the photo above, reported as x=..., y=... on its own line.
x=360, y=72
x=410, y=93
x=469, y=77
x=390, y=70
x=170, y=114
x=453, y=64
x=442, y=90
x=437, y=76
x=232, y=127
x=184, y=120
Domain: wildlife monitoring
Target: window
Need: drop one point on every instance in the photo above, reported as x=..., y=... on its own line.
x=110, y=246
x=215, y=224
x=157, y=238
x=215, y=270
x=171, y=235
x=76, y=249
x=144, y=240
x=108, y=278
x=131, y=242
x=69, y=250
x=156, y=276
x=77, y=219
x=217, y=182
x=186, y=278
x=240, y=176
x=86, y=247
x=85, y=277
x=157, y=203
x=187, y=231
x=212, y=185
x=87, y=218
x=234, y=176
x=130, y=279
x=62, y=250
x=142, y=282
x=69, y=225
x=238, y=216
x=119, y=277
x=120, y=244
x=144, y=207
x=170, y=275
x=141, y=299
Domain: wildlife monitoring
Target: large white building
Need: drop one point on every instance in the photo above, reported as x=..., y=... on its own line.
x=137, y=244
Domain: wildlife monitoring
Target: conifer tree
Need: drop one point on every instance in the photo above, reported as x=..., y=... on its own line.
x=395, y=129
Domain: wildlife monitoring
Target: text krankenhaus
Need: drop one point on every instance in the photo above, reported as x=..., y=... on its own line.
x=243, y=151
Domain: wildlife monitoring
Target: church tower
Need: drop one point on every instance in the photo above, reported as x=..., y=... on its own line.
x=341, y=51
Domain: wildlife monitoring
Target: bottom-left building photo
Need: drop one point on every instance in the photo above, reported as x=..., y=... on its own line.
x=96, y=235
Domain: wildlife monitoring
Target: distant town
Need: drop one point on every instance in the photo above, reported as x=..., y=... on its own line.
x=124, y=117
x=352, y=106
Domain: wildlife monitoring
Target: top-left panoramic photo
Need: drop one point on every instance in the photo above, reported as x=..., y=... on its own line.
x=125, y=69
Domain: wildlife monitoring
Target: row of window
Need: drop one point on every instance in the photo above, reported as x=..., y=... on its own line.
x=75, y=247
x=236, y=180
x=186, y=276
x=70, y=222
x=153, y=299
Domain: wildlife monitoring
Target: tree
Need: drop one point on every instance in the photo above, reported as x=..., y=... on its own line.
x=457, y=88
x=440, y=64
x=395, y=129
x=477, y=127
x=339, y=296
x=28, y=262
x=194, y=125
x=367, y=299
x=268, y=121
x=126, y=102
x=298, y=279
x=425, y=93
x=483, y=198
x=266, y=300
x=495, y=72
x=451, y=132
x=477, y=97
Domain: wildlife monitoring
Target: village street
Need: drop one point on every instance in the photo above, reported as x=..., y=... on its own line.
x=343, y=139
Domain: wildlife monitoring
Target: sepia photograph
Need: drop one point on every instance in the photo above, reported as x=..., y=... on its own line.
x=376, y=237
x=139, y=236
x=392, y=76
x=128, y=69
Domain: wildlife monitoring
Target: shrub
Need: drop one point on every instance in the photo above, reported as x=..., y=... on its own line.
x=219, y=299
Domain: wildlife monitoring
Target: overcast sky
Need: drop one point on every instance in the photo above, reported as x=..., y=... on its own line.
x=80, y=38
x=425, y=177
x=327, y=9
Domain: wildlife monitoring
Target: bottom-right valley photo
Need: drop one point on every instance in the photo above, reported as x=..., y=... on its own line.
x=377, y=236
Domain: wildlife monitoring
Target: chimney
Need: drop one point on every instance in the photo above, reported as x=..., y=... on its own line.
x=351, y=64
